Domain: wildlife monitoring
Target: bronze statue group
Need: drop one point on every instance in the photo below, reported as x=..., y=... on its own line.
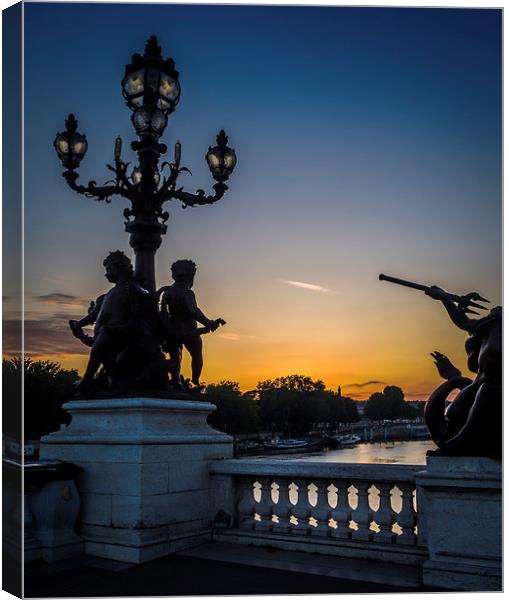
x=139, y=338
x=134, y=330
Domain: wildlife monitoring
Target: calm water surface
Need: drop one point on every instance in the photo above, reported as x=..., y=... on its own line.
x=406, y=453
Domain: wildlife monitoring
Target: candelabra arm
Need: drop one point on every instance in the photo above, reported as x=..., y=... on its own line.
x=91, y=190
x=199, y=198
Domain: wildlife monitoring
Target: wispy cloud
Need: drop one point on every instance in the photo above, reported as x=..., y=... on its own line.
x=232, y=337
x=364, y=384
x=62, y=299
x=307, y=286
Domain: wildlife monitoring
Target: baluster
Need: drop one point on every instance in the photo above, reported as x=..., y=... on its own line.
x=321, y=512
x=264, y=506
x=342, y=514
x=293, y=497
x=362, y=514
x=302, y=510
x=407, y=517
x=283, y=507
x=246, y=504
x=384, y=515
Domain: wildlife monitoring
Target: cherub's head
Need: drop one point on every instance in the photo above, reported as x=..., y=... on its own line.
x=118, y=266
x=183, y=271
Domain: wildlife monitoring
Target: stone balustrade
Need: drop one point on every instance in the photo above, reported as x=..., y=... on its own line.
x=354, y=507
x=157, y=479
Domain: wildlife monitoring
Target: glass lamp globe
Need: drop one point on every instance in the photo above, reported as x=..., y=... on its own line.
x=149, y=121
x=229, y=160
x=151, y=74
x=221, y=159
x=137, y=176
x=70, y=145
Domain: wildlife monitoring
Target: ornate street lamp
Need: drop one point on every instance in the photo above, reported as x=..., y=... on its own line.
x=221, y=159
x=70, y=145
x=151, y=89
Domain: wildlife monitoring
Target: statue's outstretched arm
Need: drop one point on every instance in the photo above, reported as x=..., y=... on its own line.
x=456, y=312
x=200, y=316
x=91, y=318
x=196, y=313
x=458, y=317
x=444, y=366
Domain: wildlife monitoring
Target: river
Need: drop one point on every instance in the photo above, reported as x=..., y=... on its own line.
x=405, y=453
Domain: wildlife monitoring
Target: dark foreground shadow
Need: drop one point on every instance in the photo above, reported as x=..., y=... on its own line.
x=182, y=576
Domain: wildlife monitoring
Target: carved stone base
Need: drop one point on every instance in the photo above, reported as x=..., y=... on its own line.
x=460, y=521
x=145, y=488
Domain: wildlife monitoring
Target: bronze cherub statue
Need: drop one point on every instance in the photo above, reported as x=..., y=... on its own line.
x=125, y=342
x=179, y=316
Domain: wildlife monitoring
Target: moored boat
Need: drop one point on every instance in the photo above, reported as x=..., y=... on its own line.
x=348, y=439
x=288, y=444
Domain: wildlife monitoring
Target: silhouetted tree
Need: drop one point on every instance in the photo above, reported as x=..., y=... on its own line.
x=235, y=412
x=294, y=402
x=46, y=387
x=350, y=412
x=341, y=410
x=389, y=404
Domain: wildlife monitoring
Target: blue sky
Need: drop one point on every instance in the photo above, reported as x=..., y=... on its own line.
x=368, y=140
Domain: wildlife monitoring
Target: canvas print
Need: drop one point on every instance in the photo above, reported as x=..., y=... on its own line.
x=252, y=322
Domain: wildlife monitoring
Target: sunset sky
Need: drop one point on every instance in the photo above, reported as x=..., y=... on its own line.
x=368, y=141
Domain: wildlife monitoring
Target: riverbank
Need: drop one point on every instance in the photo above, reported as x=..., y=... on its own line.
x=411, y=452
x=367, y=432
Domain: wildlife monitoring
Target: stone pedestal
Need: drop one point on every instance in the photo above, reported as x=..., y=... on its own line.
x=460, y=521
x=145, y=487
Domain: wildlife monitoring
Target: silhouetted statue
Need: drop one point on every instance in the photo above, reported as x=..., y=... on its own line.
x=179, y=317
x=125, y=341
x=472, y=424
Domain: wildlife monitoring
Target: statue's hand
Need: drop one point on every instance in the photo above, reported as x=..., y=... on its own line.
x=468, y=301
x=444, y=366
x=213, y=325
x=78, y=332
x=437, y=293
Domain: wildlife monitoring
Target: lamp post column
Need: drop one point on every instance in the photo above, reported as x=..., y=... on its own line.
x=145, y=239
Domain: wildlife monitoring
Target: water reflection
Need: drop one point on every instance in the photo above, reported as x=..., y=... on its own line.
x=406, y=453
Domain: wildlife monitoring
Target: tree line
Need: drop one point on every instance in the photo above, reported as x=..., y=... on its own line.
x=293, y=404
